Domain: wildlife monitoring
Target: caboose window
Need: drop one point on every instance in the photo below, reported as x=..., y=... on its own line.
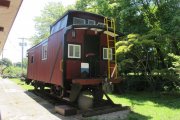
x=44, y=51
x=100, y=23
x=78, y=21
x=74, y=51
x=91, y=22
x=59, y=25
x=105, y=53
x=32, y=59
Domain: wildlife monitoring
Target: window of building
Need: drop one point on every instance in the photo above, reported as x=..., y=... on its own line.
x=59, y=25
x=44, y=51
x=32, y=59
x=91, y=22
x=100, y=23
x=74, y=51
x=78, y=21
x=105, y=53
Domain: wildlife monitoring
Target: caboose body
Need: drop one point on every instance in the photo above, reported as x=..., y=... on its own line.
x=76, y=56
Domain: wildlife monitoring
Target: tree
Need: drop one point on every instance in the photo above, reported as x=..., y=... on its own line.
x=126, y=13
x=175, y=63
x=51, y=12
x=168, y=16
x=4, y=63
x=12, y=72
x=18, y=64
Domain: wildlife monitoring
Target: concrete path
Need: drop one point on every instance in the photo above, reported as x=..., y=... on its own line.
x=17, y=104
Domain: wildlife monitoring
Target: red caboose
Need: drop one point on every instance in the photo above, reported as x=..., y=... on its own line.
x=79, y=55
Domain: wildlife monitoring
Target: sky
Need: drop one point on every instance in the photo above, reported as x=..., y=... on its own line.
x=23, y=27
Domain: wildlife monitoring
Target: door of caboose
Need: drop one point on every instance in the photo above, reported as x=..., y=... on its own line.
x=91, y=54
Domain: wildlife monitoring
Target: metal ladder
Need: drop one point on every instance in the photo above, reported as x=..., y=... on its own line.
x=110, y=24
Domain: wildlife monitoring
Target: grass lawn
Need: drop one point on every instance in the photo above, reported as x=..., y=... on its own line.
x=145, y=106
x=150, y=106
x=22, y=84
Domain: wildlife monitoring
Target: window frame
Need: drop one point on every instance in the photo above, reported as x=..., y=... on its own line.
x=91, y=21
x=74, y=54
x=79, y=19
x=44, y=52
x=111, y=54
x=100, y=23
x=32, y=59
x=59, y=25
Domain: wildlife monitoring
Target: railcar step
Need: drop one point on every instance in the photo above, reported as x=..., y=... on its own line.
x=65, y=110
x=68, y=91
x=66, y=98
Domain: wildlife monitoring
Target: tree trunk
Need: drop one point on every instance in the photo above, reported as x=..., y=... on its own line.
x=161, y=57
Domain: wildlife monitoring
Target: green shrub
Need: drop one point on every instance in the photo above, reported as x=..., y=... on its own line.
x=12, y=72
x=161, y=81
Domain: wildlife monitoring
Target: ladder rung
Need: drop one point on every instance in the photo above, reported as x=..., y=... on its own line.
x=112, y=61
x=111, y=40
x=66, y=98
x=111, y=67
x=109, y=19
x=68, y=91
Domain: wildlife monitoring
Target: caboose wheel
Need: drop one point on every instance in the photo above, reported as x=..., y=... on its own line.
x=85, y=100
x=41, y=87
x=35, y=86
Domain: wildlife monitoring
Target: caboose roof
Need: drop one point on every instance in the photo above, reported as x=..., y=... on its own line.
x=42, y=42
x=98, y=28
x=77, y=12
x=90, y=27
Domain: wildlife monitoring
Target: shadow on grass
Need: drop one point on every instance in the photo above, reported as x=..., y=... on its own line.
x=136, y=116
x=161, y=99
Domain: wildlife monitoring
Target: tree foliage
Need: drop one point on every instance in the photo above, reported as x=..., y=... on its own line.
x=25, y=62
x=5, y=62
x=51, y=12
x=8, y=70
x=12, y=72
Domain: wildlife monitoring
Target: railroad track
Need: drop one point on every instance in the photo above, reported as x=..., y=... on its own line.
x=102, y=107
x=54, y=100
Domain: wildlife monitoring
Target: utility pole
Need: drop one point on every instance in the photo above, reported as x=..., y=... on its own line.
x=22, y=44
